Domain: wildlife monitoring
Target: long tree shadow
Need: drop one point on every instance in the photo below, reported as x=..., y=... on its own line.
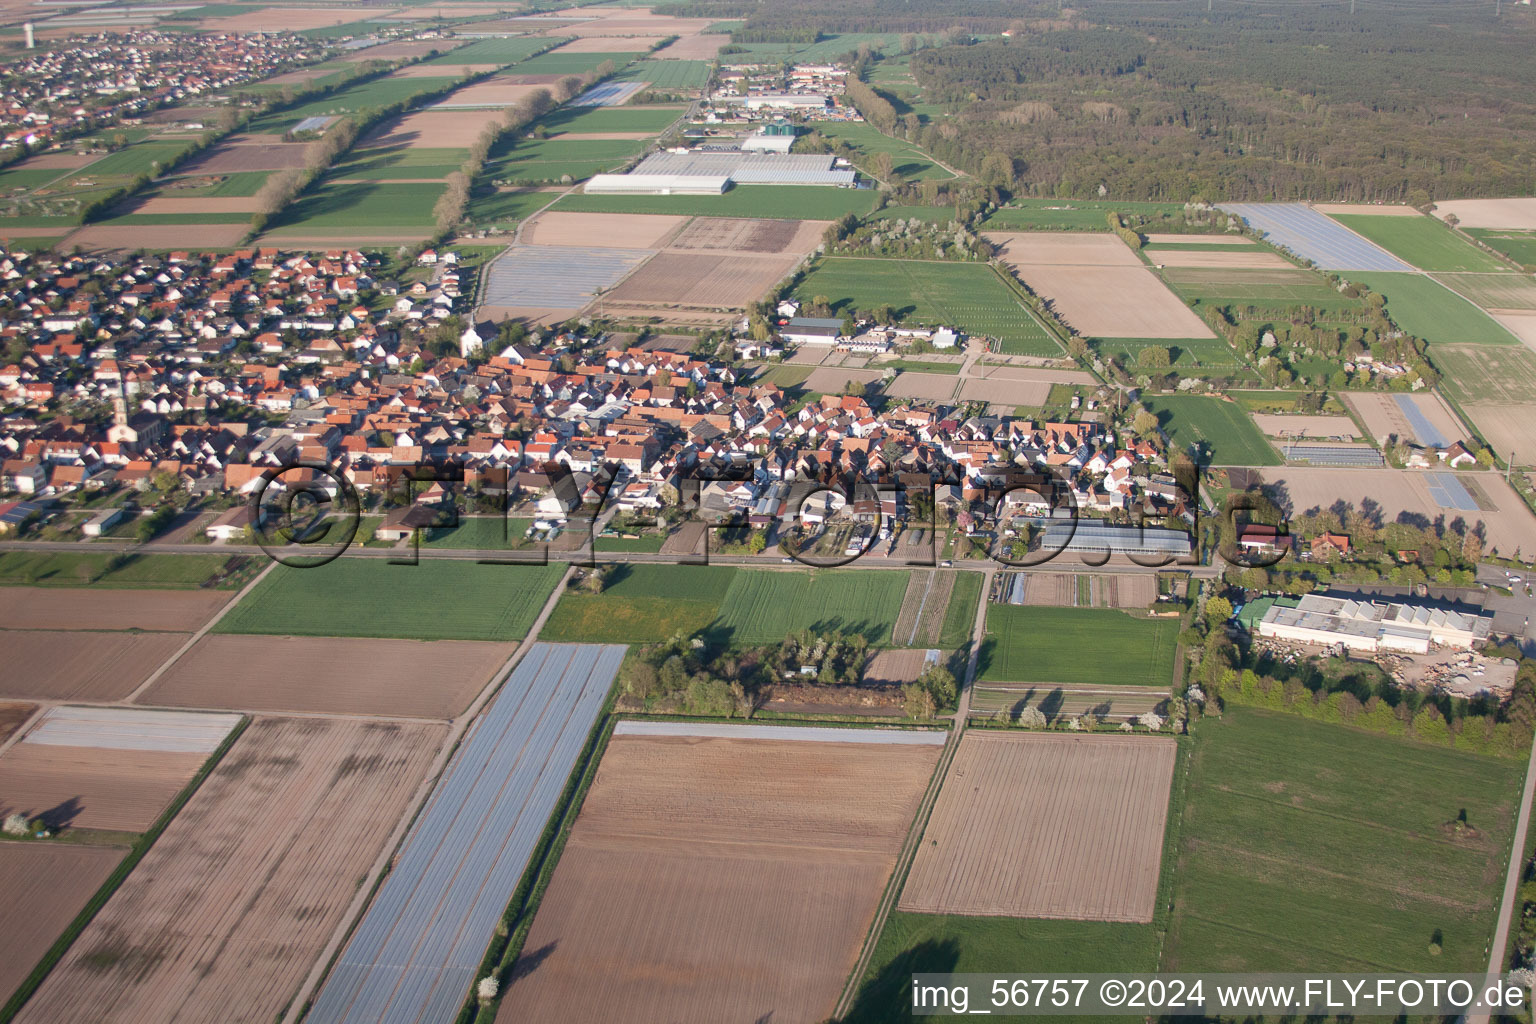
x=884, y=997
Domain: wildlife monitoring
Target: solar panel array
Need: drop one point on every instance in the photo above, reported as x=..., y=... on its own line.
x=1448, y=492
x=608, y=94
x=1314, y=236
x=1350, y=455
x=556, y=276
x=1423, y=431
x=414, y=955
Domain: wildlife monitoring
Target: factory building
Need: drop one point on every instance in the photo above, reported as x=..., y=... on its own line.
x=1372, y=626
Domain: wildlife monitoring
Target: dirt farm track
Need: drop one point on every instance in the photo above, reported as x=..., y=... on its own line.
x=223, y=917
x=718, y=879
x=1046, y=825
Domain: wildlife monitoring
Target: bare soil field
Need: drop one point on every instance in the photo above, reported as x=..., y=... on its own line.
x=56, y=161
x=43, y=886
x=1098, y=286
x=200, y=204
x=1055, y=589
x=1497, y=292
x=923, y=608
x=431, y=129
x=1507, y=427
x=1521, y=323
x=1491, y=213
x=937, y=387
x=128, y=237
x=1383, y=416
x=695, y=279
x=1008, y=836
x=830, y=379
x=396, y=49
x=1123, y=591
x=893, y=668
x=289, y=19
x=85, y=608
x=222, y=919
x=341, y=675
x=1005, y=392
x=93, y=787
x=712, y=879
x=1057, y=248
x=1277, y=425
x=543, y=316
x=1225, y=260
x=614, y=230
x=72, y=665
x=1370, y=209
x=699, y=47
x=611, y=44
x=1397, y=492
x=620, y=21
x=1032, y=373
x=1164, y=239
x=493, y=92
x=751, y=235
x=12, y=715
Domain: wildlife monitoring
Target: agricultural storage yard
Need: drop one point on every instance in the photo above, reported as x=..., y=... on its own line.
x=44, y=886
x=1077, y=645
x=434, y=600
x=106, y=608
x=967, y=296
x=338, y=675
x=1007, y=836
x=223, y=917
x=1423, y=418
x=1097, y=285
x=78, y=665
x=1220, y=432
x=1409, y=494
x=1308, y=846
x=474, y=836
x=697, y=861
x=107, y=768
x=1314, y=236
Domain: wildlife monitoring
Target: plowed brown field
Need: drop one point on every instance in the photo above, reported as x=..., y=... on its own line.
x=718, y=879
x=105, y=608
x=923, y=608
x=12, y=715
x=42, y=887
x=93, y=787
x=696, y=279
x=1046, y=825
x=752, y=235
x=222, y=919
x=71, y=665
x=344, y=675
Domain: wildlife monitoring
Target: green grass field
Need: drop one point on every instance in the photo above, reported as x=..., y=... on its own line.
x=383, y=164
x=960, y=616
x=969, y=296
x=764, y=606
x=507, y=50
x=366, y=205
x=550, y=159
x=497, y=207
x=583, y=120
x=379, y=92
x=1028, y=644
x=1519, y=246
x=97, y=569
x=793, y=202
x=350, y=28
x=822, y=50
x=241, y=183
x=131, y=161
x=1425, y=308
x=1068, y=214
x=558, y=63
x=1189, y=354
x=479, y=532
x=1476, y=373
x=24, y=179
x=785, y=375
x=642, y=604
x=1221, y=430
x=433, y=600
x=932, y=214
x=1267, y=288
x=1312, y=847
x=907, y=160
x=668, y=74
x=1422, y=242
x=945, y=944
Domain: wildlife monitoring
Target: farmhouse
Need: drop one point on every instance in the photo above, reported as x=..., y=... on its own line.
x=1370, y=626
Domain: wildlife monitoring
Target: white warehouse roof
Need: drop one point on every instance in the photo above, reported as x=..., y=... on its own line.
x=751, y=168
x=658, y=184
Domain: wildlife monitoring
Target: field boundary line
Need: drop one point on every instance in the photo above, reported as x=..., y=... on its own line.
x=375, y=876
x=196, y=636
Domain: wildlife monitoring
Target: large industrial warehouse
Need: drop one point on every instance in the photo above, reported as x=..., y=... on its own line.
x=713, y=173
x=1369, y=626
